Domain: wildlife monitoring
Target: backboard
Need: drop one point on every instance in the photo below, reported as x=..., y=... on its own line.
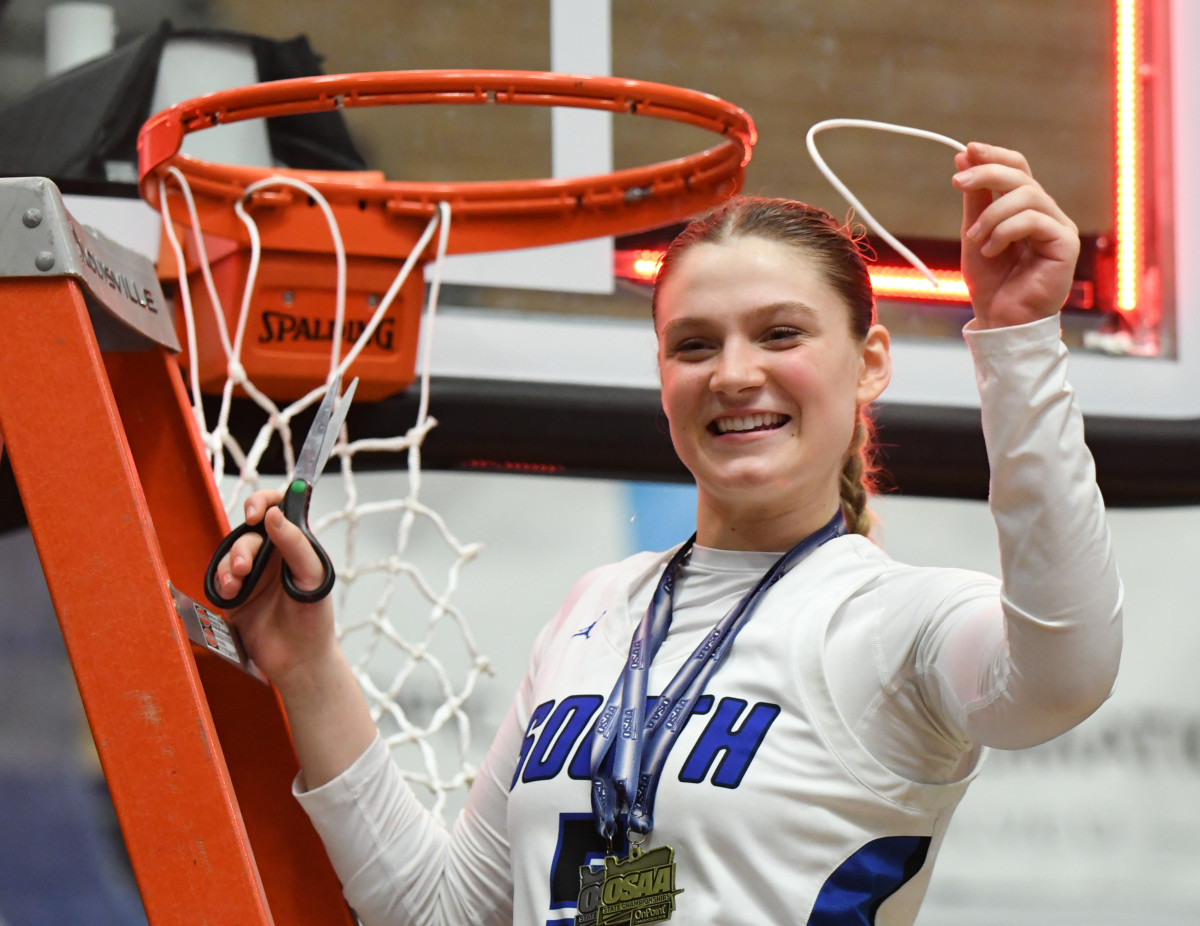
x=545, y=356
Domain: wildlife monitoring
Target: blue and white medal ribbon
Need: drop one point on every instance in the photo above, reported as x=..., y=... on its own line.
x=630, y=749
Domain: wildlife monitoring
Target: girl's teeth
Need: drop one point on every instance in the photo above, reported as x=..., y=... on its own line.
x=748, y=423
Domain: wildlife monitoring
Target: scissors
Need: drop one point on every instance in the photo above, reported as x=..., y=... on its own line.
x=314, y=454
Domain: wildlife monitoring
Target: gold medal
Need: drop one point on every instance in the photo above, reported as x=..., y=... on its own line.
x=638, y=889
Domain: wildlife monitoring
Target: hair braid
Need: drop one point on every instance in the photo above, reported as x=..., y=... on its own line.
x=857, y=477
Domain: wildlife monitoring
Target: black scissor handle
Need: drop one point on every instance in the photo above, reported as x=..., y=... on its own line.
x=295, y=509
x=256, y=569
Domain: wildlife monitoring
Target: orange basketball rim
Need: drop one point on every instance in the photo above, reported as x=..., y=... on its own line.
x=380, y=218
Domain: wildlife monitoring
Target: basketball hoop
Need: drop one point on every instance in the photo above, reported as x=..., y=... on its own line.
x=381, y=220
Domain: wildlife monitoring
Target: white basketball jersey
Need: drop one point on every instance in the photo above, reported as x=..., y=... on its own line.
x=775, y=812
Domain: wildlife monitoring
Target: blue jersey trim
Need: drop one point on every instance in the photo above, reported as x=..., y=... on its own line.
x=854, y=893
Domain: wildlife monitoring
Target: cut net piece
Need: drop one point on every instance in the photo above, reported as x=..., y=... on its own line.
x=410, y=647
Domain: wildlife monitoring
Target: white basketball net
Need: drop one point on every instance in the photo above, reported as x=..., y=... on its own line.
x=415, y=679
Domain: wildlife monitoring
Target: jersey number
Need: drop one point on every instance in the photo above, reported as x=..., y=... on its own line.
x=578, y=844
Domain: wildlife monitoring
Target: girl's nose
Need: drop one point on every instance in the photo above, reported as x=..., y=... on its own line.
x=738, y=368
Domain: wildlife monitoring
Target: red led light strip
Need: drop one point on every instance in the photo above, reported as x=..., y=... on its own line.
x=907, y=283
x=1129, y=143
x=903, y=282
x=516, y=466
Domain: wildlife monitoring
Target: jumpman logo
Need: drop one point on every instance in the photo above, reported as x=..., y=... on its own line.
x=586, y=632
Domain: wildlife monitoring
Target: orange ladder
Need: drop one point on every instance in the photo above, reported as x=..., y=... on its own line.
x=121, y=503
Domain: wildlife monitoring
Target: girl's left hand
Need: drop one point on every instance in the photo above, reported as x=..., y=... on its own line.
x=1018, y=247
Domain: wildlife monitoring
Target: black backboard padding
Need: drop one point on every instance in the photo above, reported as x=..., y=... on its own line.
x=611, y=432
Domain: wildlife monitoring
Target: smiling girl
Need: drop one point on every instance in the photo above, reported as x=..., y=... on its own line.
x=773, y=722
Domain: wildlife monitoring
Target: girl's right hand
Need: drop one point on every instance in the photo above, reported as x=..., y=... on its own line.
x=289, y=641
x=294, y=645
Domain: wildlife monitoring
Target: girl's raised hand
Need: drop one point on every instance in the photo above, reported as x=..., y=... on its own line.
x=1018, y=247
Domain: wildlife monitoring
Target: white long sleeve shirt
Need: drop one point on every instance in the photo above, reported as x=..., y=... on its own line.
x=815, y=780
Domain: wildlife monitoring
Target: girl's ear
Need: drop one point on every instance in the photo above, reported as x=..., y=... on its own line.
x=875, y=370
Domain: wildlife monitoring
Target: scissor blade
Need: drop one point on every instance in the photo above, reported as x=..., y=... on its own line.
x=335, y=425
x=307, y=467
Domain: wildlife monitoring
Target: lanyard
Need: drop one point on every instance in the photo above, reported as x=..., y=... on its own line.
x=629, y=749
